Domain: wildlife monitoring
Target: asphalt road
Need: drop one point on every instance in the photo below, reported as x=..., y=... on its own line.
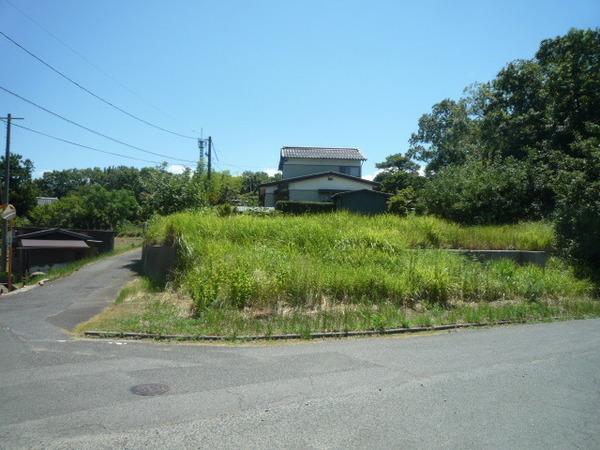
x=530, y=386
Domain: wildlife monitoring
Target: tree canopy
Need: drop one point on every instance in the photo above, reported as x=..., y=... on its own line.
x=523, y=145
x=22, y=189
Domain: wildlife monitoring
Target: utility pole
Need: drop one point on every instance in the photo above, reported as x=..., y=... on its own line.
x=5, y=198
x=201, y=148
x=209, y=165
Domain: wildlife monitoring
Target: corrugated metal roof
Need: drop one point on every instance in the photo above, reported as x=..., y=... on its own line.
x=52, y=243
x=322, y=153
x=39, y=233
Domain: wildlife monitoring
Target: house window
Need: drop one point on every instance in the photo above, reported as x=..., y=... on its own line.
x=350, y=170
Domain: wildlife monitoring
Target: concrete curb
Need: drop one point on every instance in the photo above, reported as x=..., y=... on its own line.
x=276, y=337
x=27, y=288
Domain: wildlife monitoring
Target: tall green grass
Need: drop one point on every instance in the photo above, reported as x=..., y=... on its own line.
x=342, y=230
x=315, y=261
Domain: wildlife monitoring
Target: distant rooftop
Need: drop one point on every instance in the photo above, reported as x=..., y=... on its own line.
x=322, y=153
x=41, y=201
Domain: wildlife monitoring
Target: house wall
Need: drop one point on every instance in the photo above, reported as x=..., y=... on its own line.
x=312, y=190
x=297, y=167
x=364, y=202
x=269, y=195
x=331, y=182
x=42, y=259
x=305, y=196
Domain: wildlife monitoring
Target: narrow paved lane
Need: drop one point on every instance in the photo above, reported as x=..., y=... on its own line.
x=42, y=312
x=530, y=386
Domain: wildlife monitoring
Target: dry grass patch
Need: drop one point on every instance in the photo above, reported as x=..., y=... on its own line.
x=140, y=308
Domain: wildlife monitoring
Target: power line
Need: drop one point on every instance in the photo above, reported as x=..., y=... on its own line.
x=222, y=163
x=87, y=60
x=93, y=131
x=56, y=138
x=214, y=149
x=96, y=96
x=82, y=145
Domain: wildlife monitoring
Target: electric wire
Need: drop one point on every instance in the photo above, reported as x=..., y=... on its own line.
x=96, y=96
x=56, y=138
x=87, y=60
x=93, y=131
x=223, y=163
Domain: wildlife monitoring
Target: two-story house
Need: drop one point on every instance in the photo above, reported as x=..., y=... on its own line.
x=316, y=174
x=300, y=161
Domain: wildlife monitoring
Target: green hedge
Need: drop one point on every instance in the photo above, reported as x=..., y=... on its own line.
x=292, y=207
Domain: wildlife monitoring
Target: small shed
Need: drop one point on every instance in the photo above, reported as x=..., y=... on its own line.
x=364, y=201
x=42, y=249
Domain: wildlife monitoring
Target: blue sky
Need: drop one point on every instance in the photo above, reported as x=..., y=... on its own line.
x=257, y=75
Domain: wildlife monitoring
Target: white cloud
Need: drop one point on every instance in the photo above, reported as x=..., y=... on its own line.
x=39, y=173
x=371, y=176
x=176, y=168
x=270, y=171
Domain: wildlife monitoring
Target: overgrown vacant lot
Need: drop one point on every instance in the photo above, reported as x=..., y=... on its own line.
x=248, y=274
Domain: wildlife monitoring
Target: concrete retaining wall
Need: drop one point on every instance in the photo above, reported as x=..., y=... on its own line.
x=538, y=258
x=158, y=262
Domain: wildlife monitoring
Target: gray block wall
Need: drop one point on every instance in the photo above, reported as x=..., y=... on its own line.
x=158, y=262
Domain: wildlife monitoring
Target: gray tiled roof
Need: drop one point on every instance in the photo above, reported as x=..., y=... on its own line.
x=322, y=153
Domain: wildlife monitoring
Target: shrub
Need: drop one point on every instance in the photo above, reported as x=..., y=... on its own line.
x=479, y=193
x=225, y=209
x=403, y=202
x=130, y=229
x=294, y=207
x=577, y=220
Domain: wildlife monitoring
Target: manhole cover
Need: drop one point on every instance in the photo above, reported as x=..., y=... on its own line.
x=149, y=390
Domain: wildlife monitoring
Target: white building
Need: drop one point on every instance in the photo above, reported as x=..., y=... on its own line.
x=42, y=201
x=315, y=174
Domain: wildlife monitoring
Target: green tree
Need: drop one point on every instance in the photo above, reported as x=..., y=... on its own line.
x=223, y=188
x=23, y=191
x=404, y=202
x=58, y=183
x=446, y=136
x=251, y=180
x=163, y=192
x=122, y=177
x=571, y=67
x=89, y=207
x=578, y=208
x=479, y=192
x=534, y=110
x=398, y=172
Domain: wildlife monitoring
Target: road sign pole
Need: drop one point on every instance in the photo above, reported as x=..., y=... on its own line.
x=5, y=197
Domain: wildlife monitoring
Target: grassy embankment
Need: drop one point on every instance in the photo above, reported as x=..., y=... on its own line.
x=334, y=272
